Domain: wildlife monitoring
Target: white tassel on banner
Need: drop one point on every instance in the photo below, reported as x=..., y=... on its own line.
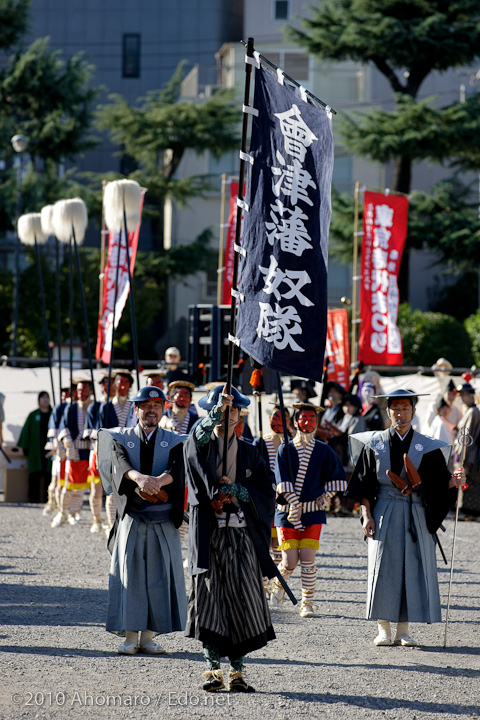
x=116, y=194
x=29, y=228
x=68, y=214
x=46, y=215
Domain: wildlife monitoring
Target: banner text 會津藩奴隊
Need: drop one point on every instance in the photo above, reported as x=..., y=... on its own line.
x=282, y=306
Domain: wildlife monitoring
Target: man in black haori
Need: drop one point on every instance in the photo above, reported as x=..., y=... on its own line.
x=402, y=481
x=143, y=468
x=229, y=534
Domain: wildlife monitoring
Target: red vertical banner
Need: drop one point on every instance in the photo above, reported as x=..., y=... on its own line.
x=385, y=220
x=230, y=245
x=104, y=334
x=337, y=349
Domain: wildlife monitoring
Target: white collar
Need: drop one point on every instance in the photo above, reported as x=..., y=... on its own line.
x=148, y=437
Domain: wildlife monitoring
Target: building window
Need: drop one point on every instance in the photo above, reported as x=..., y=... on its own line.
x=281, y=9
x=131, y=56
x=297, y=66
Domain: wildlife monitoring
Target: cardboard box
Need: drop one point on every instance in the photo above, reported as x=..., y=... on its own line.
x=15, y=475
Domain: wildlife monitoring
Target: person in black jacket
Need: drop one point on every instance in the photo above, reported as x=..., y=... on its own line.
x=400, y=516
x=228, y=546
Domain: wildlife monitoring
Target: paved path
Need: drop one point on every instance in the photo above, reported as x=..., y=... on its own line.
x=57, y=661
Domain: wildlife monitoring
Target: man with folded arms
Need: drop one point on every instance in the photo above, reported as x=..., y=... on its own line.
x=405, y=489
x=143, y=467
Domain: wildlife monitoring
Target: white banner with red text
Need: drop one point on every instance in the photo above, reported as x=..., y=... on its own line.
x=385, y=219
x=230, y=245
x=337, y=349
x=117, y=254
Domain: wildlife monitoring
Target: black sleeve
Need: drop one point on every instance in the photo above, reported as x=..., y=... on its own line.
x=121, y=461
x=437, y=497
x=176, y=489
x=363, y=483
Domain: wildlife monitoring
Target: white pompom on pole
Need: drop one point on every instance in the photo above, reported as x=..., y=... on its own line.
x=29, y=228
x=30, y=232
x=122, y=195
x=121, y=206
x=68, y=217
x=46, y=215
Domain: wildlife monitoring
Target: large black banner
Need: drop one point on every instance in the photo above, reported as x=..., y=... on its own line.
x=282, y=311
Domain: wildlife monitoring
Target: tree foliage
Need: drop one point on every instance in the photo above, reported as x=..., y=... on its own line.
x=427, y=336
x=51, y=102
x=13, y=21
x=406, y=40
x=472, y=326
x=159, y=129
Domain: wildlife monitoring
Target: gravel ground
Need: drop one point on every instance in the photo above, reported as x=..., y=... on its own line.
x=58, y=662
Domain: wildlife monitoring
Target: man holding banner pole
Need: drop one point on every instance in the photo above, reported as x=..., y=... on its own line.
x=228, y=544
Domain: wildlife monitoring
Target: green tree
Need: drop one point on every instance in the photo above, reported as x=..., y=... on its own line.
x=472, y=326
x=427, y=336
x=406, y=40
x=444, y=220
x=13, y=21
x=50, y=101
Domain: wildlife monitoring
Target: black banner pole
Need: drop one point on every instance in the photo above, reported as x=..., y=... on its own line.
x=45, y=322
x=233, y=305
x=59, y=321
x=109, y=398
x=84, y=309
x=70, y=312
x=286, y=436
x=132, y=302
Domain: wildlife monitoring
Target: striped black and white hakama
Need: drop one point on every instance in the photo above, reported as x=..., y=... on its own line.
x=227, y=607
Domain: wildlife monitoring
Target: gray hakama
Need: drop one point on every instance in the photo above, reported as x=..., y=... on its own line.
x=402, y=567
x=402, y=574
x=146, y=556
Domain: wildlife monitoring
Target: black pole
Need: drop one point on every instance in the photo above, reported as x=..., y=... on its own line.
x=70, y=311
x=16, y=277
x=109, y=399
x=59, y=321
x=233, y=305
x=293, y=81
x=84, y=308
x=286, y=436
x=259, y=410
x=132, y=301
x=44, y=311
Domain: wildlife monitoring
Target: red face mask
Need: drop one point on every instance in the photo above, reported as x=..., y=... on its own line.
x=276, y=422
x=122, y=385
x=307, y=421
x=182, y=398
x=239, y=428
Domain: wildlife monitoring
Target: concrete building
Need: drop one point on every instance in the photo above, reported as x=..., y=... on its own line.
x=135, y=46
